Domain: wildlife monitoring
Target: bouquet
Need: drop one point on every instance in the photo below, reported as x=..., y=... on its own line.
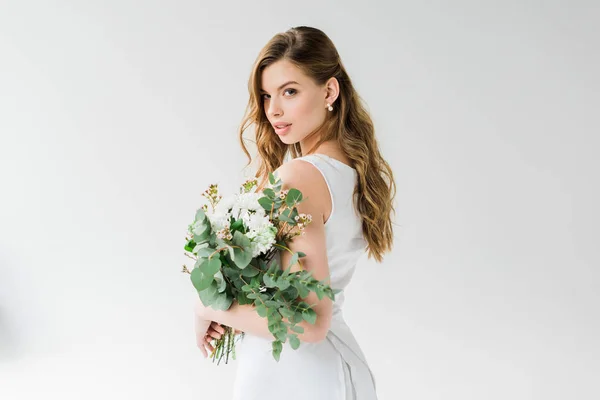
x=234, y=245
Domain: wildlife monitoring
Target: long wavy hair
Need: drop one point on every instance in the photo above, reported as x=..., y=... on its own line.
x=349, y=124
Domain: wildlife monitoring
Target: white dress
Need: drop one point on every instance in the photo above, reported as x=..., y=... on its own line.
x=336, y=368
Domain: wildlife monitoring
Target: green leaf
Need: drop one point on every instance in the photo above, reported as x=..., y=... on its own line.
x=200, y=215
x=320, y=293
x=285, y=312
x=297, y=329
x=189, y=246
x=293, y=260
x=272, y=179
x=310, y=316
x=238, y=225
x=277, y=347
x=242, y=299
x=291, y=293
x=222, y=302
x=266, y=203
x=294, y=342
x=261, y=310
x=243, y=255
x=221, y=283
x=269, y=281
x=212, y=266
x=204, y=251
x=208, y=295
x=269, y=193
x=283, y=283
x=285, y=216
x=250, y=272
x=200, y=278
x=200, y=246
x=303, y=291
x=297, y=318
x=301, y=254
x=281, y=334
x=294, y=196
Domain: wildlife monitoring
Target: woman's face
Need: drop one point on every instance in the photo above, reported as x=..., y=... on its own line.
x=293, y=99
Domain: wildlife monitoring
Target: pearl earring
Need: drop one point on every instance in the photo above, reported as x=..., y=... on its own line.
x=329, y=107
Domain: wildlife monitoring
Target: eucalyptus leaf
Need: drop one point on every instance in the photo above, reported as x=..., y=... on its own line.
x=297, y=328
x=285, y=312
x=243, y=253
x=310, y=316
x=250, y=272
x=320, y=293
x=208, y=295
x=294, y=196
x=293, y=260
x=277, y=346
x=204, y=251
x=212, y=266
x=303, y=291
x=222, y=302
x=272, y=178
x=281, y=335
x=269, y=282
x=200, y=215
x=266, y=203
x=221, y=283
x=269, y=193
x=294, y=342
x=200, y=279
x=261, y=310
x=283, y=283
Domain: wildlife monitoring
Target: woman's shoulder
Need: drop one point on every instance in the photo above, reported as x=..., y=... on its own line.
x=299, y=172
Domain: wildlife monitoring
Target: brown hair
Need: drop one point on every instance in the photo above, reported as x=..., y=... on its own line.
x=349, y=124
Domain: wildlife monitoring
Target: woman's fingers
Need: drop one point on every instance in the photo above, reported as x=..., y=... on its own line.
x=213, y=334
x=209, y=346
x=218, y=327
x=203, y=350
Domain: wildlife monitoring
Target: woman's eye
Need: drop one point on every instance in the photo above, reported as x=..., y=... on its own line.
x=290, y=90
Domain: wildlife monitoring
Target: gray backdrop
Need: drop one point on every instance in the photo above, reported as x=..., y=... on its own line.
x=114, y=116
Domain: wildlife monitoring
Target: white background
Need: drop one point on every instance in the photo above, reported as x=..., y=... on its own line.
x=116, y=115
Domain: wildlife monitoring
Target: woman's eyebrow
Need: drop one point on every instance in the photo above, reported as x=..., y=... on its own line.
x=282, y=86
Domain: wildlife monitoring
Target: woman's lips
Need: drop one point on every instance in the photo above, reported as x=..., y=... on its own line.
x=282, y=131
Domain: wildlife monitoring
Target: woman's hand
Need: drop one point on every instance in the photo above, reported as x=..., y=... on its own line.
x=206, y=330
x=215, y=331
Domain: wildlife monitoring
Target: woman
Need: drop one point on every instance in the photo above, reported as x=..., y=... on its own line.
x=303, y=105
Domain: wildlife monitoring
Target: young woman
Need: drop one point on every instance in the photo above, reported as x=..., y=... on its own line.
x=303, y=106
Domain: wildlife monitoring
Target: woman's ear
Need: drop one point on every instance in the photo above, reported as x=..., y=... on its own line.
x=332, y=88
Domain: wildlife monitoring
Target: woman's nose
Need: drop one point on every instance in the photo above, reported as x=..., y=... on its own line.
x=274, y=109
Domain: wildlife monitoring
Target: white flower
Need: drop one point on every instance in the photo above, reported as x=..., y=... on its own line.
x=263, y=240
x=245, y=207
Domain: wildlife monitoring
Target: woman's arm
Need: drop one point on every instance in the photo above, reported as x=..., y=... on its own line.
x=306, y=178
x=245, y=318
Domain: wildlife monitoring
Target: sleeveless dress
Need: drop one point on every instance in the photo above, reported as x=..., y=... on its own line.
x=335, y=368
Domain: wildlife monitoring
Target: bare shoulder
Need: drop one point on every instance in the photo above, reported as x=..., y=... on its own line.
x=299, y=173
x=307, y=178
